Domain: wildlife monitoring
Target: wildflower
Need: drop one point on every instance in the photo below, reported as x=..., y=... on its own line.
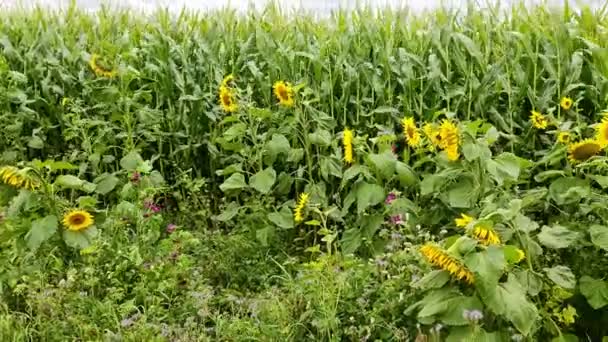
x=520, y=255
x=284, y=93
x=171, y=228
x=583, y=150
x=486, y=235
x=298, y=215
x=449, y=139
x=135, y=177
x=472, y=315
x=396, y=219
x=565, y=103
x=150, y=205
x=563, y=137
x=347, y=140
x=390, y=198
x=538, y=120
x=601, y=132
x=412, y=136
x=100, y=70
x=77, y=220
x=463, y=220
x=442, y=259
x=18, y=178
x=227, y=99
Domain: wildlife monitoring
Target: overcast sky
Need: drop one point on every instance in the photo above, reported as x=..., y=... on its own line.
x=323, y=6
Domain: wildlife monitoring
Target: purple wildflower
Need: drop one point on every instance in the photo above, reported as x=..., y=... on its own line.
x=171, y=228
x=150, y=205
x=135, y=177
x=396, y=219
x=390, y=198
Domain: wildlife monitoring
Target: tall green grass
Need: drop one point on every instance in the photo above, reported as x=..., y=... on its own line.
x=365, y=69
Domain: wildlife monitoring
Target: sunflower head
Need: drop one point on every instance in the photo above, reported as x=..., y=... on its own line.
x=18, y=178
x=486, y=235
x=538, y=120
x=601, y=132
x=99, y=68
x=298, y=214
x=520, y=255
x=565, y=103
x=77, y=220
x=412, y=136
x=227, y=99
x=563, y=137
x=347, y=140
x=463, y=220
x=449, y=138
x=227, y=81
x=440, y=258
x=432, y=134
x=583, y=150
x=284, y=93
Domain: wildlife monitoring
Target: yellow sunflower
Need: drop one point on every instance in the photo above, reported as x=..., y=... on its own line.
x=583, y=150
x=450, y=139
x=463, y=220
x=601, y=132
x=347, y=140
x=227, y=99
x=520, y=255
x=227, y=80
x=100, y=70
x=77, y=220
x=284, y=93
x=565, y=103
x=412, y=136
x=440, y=258
x=432, y=133
x=18, y=178
x=298, y=215
x=538, y=120
x=486, y=235
x=563, y=137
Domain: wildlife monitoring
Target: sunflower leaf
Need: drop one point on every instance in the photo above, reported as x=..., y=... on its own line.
x=41, y=231
x=80, y=239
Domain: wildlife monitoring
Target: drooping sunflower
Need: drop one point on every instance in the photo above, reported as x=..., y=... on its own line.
x=284, y=93
x=77, y=220
x=347, y=141
x=227, y=99
x=227, y=80
x=432, y=133
x=486, y=235
x=463, y=220
x=565, y=103
x=412, y=136
x=99, y=69
x=18, y=178
x=563, y=137
x=601, y=132
x=450, y=139
x=440, y=258
x=538, y=120
x=298, y=214
x=583, y=150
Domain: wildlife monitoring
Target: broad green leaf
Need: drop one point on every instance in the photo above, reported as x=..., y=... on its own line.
x=277, y=145
x=599, y=236
x=264, y=234
x=505, y=167
x=453, y=315
x=595, y=290
x=283, y=218
x=511, y=254
x=569, y=190
x=509, y=300
x=432, y=280
x=524, y=224
x=530, y=281
x=235, y=131
x=543, y=176
x=383, y=164
x=236, y=181
x=475, y=150
x=329, y=167
x=473, y=334
x=42, y=230
x=487, y=265
x=557, y=237
x=263, y=180
x=369, y=225
x=18, y=202
x=462, y=194
x=35, y=142
x=405, y=174
x=565, y=338
x=107, y=184
x=295, y=155
x=601, y=180
x=320, y=137
x=369, y=195
x=131, y=161
x=562, y=276
x=80, y=239
x=284, y=182
x=231, y=210
x=351, y=240
x=69, y=182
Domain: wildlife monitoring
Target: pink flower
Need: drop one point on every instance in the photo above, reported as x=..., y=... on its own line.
x=390, y=198
x=149, y=204
x=171, y=228
x=135, y=177
x=397, y=219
